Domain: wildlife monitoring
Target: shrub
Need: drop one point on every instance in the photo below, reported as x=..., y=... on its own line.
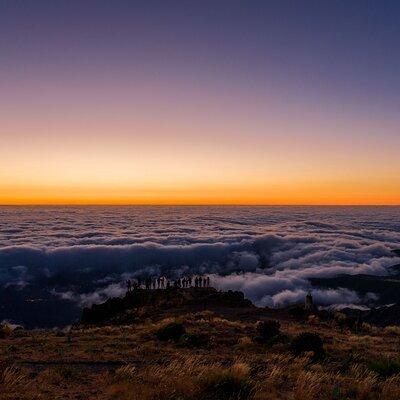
x=392, y=330
x=5, y=331
x=384, y=367
x=308, y=341
x=267, y=331
x=193, y=340
x=172, y=331
x=227, y=384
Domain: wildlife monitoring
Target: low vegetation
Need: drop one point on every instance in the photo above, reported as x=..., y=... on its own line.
x=172, y=331
x=385, y=367
x=201, y=355
x=193, y=340
x=267, y=331
x=308, y=342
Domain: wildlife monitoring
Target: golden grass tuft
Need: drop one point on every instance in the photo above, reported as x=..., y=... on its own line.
x=392, y=330
x=127, y=371
x=12, y=376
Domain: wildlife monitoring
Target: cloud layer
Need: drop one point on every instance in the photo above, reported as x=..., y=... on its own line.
x=82, y=254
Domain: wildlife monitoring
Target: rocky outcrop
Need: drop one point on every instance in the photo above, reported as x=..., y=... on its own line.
x=140, y=303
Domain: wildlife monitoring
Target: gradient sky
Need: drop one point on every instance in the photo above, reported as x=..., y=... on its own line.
x=200, y=102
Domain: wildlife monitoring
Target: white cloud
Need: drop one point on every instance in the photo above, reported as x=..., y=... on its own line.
x=268, y=253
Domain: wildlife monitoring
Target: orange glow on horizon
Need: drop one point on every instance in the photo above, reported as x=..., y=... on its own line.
x=278, y=194
x=204, y=149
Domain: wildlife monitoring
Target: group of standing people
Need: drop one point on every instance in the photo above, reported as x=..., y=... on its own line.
x=165, y=283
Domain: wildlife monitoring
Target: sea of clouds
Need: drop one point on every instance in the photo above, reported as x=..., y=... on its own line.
x=84, y=254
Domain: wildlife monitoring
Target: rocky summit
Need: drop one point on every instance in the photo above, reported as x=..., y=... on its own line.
x=139, y=304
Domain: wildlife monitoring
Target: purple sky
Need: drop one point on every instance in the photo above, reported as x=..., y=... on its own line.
x=166, y=99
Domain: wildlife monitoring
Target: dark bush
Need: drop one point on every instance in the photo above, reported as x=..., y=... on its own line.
x=308, y=341
x=193, y=340
x=5, y=331
x=385, y=367
x=230, y=388
x=227, y=385
x=267, y=331
x=172, y=331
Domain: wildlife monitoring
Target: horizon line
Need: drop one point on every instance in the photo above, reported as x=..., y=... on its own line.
x=191, y=205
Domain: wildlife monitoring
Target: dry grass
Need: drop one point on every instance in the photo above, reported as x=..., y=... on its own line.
x=128, y=363
x=11, y=377
x=392, y=330
x=186, y=379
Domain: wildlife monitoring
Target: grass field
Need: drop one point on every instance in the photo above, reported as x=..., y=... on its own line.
x=129, y=362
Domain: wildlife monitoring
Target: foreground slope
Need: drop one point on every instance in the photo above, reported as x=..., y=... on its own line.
x=219, y=355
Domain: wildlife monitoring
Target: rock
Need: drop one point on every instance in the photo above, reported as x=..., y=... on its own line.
x=139, y=304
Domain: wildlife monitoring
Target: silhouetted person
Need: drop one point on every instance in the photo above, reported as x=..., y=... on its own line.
x=129, y=285
x=204, y=282
x=139, y=283
x=208, y=281
x=190, y=280
x=309, y=305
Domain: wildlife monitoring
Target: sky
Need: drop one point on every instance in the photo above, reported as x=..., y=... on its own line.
x=199, y=102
